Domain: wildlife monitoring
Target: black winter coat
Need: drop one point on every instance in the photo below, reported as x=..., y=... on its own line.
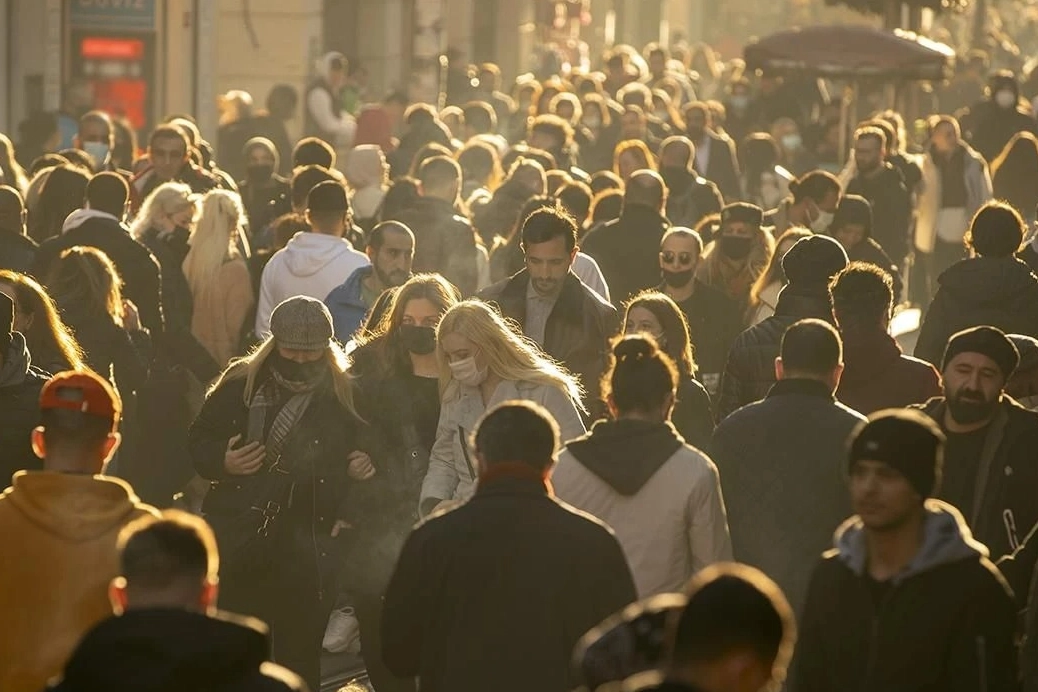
x=714, y=321
x=690, y=199
x=751, y=362
x=783, y=475
x=20, y=385
x=723, y=167
x=578, y=329
x=997, y=291
x=891, y=208
x=499, y=216
x=136, y=266
x=494, y=594
x=147, y=649
x=693, y=415
x=945, y=625
x=627, y=250
x=17, y=251
x=444, y=242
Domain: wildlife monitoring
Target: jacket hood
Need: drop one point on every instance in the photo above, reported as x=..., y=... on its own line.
x=988, y=281
x=325, y=62
x=868, y=355
x=81, y=216
x=626, y=453
x=349, y=293
x=146, y=650
x=308, y=253
x=16, y=362
x=946, y=539
x=365, y=166
x=73, y=508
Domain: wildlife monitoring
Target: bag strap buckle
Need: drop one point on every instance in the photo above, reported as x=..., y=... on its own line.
x=270, y=512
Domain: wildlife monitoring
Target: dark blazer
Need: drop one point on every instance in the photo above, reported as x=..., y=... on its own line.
x=723, y=167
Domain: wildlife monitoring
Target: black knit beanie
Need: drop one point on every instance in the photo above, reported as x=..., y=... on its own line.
x=905, y=439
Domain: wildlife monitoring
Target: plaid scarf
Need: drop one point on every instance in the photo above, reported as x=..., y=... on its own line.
x=265, y=402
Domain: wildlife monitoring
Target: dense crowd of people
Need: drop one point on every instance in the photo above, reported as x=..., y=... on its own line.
x=513, y=386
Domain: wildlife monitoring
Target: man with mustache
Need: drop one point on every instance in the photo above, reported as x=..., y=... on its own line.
x=990, y=468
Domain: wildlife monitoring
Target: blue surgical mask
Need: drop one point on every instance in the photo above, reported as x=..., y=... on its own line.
x=791, y=142
x=98, y=151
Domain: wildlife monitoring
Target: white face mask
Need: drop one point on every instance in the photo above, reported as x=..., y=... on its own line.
x=822, y=222
x=98, y=152
x=1005, y=99
x=466, y=372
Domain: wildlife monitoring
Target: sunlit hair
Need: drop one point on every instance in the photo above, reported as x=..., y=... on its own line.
x=251, y=369
x=165, y=200
x=84, y=281
x=389, y=352
x=713, y=272
x=13, y=173
x=774, y=270
x=508, y=355
x=674, y=324
x=213, y=241
x=636, y=147
x=48, y=334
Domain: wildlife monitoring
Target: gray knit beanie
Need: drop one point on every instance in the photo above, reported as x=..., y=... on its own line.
x=302, y=323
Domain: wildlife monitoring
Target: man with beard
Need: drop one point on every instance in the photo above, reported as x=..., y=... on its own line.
x=691, y=197
x=884, y=187
x=990, y=470
x=390, y=248
x=554, y=308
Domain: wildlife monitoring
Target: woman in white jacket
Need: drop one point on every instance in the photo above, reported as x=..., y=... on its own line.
x=484, y=363
x=661, y=496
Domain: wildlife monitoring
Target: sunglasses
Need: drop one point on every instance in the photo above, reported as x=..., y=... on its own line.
x=681, y=257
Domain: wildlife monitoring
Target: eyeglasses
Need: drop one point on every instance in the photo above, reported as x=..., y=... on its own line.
x=682, y=257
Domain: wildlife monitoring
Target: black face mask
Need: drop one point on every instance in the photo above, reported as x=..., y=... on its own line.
x=418, y=340
x=258, y=173
x=297, y=372
x=677, y=279
x=736, y=247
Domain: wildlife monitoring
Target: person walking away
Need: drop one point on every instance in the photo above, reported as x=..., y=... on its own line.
x=264, y=193
x=955, y=186
x=555, y=309
x=713, y=319
x=51, y=345
x=279, y=432
x=491, y=555
x=60, y=527
x=17, y=249
x=1011, y=170
x=282, y=101
x=367, y=174
x=876, y=374
x=690, y=198
x=313, y=263
x=852, y=228
x=989, y=474
x=237, y=126
x=20, y=385
x=809, y=265
x=738, y=254
x=907, y=598
x=626, y=249
x=324, y=114
x=798, y=431
x=635, y=473
x=391, y=253
x=765, y=291
x=884, y=187
x=61, y=190
x=992, y=288
x=398, y=393
x=218, y=276
x=734, y=633
x=166, y=620
x=483, y=363
x=654, y=314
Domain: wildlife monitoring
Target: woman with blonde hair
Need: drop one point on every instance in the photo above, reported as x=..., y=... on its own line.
x=278, y=436
x=88, y=291
x=483, y=362
x=739, y=253
x=218, y=276
x=632, y=155
x=51, y=344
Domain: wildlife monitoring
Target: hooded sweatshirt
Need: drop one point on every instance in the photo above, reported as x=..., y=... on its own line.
x=59, y=535
x=946, y=622
x=312, y=264
x=167, y=650
x=365, y=171
x=661, y=497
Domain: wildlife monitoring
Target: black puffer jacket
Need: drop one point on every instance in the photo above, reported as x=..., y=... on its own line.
x=20, y=385
x=751, y=362
x=997, y=291
x=162, y=650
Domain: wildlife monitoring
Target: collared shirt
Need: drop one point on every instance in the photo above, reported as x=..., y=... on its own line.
x=538, y=308
x=703, y=154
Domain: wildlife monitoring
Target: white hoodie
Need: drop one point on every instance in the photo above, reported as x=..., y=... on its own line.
x=310, y=265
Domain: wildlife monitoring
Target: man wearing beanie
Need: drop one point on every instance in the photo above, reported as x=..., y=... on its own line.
x=906, y=599
x=750, y=372
x=314, y=262
x=994, y=287
x=991, y=458
x=20, y=385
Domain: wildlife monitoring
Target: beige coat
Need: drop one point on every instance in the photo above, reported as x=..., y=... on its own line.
x=219, y=313
x=58, y=533
x=674, y=526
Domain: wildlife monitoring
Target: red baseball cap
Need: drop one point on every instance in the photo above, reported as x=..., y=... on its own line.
x=81, y=391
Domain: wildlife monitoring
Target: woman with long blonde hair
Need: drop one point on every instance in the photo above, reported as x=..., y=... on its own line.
x=218, y=276
x=739, y=254
x=483, y=362
x=51, y=344
x=278, y=434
